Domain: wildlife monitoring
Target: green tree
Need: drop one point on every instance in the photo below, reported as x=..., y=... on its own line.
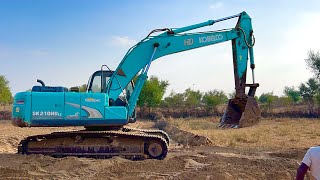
x=192, y=98
x=284, y=101
x=309, y=92
x=174, y=100
x=292, y=93
x=152, y=92
x=83, y=88
x=268, y=99
x=214, y=98
x=317, y=98
x=313, y=62
x=5, y=93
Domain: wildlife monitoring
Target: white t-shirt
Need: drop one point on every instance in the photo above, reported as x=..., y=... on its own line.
x=312, y=159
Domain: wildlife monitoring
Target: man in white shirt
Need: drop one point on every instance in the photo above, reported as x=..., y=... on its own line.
x=311, y=161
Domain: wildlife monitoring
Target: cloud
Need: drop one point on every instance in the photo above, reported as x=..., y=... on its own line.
x=216, y=5
x=123, y=41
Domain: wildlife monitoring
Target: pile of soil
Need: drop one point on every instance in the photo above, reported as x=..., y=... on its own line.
x=180, y=136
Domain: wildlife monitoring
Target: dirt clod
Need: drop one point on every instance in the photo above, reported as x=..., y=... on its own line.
x=183, y=137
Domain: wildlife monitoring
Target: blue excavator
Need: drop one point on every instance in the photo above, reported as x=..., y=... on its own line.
x=110, y=99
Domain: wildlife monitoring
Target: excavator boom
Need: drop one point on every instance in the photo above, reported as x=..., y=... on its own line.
x=139, y=58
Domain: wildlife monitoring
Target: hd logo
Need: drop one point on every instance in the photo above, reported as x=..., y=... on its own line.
x=188, y=42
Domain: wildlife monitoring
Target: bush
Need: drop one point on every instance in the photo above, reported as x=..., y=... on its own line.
x=5, y=115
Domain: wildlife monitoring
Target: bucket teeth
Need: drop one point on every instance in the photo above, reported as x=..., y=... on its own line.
x=234, y=126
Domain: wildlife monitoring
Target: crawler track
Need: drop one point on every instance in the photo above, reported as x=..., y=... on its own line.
x=129, y=143
x=157, y=132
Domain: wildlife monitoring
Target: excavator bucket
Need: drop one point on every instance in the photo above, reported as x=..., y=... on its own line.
x=241, y=112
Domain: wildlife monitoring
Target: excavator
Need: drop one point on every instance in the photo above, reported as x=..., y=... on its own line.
x=109, y=102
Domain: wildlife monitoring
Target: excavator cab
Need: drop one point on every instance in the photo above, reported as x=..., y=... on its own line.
x=242, y=111
x=97, y=84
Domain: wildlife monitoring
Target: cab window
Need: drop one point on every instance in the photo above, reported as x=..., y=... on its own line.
x=96, y=84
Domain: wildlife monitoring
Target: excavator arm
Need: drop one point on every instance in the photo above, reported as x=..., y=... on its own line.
x=139, y=57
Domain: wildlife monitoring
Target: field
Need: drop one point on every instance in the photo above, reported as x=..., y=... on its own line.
x=268, y=135
x=269, y=150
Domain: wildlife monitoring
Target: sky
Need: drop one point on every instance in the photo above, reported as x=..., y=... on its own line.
x=62, y=42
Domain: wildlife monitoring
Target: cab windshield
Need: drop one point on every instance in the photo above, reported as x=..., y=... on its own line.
x=94, y=84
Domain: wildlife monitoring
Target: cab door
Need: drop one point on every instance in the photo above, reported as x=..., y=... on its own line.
x=92, y=106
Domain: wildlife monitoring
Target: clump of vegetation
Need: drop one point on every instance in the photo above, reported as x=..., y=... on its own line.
x=152, y=93
x=5, y=93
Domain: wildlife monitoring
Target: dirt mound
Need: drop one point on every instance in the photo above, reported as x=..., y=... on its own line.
x=182, y=137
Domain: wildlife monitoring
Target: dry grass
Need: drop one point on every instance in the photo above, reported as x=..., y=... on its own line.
x=5, y=108
x=269, y=134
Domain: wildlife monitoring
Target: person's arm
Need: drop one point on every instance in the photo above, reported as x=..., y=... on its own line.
x=302, y=170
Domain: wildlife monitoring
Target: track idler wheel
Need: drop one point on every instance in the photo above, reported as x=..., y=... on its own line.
x=156, y=150
x=241, y=112
x=22, y=147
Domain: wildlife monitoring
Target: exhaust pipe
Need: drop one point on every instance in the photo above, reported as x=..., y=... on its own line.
x=41, y=82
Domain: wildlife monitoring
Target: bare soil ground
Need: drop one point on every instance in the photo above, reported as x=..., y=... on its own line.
x=263, y=157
